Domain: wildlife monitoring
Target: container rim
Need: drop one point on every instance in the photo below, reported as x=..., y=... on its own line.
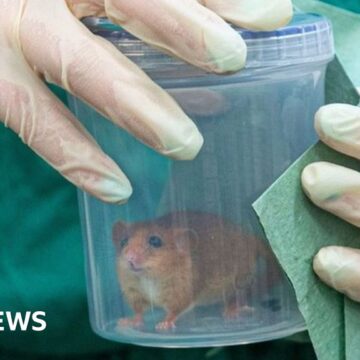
x=307, y=39
x=300, y=24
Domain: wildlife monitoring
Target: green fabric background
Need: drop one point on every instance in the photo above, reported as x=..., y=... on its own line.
x=41, y=268
x=352, y=5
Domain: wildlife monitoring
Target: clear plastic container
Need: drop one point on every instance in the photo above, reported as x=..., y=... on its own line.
x=187, y=250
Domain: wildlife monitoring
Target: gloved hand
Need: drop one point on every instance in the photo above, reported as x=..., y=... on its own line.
x=45, y=40
x=337, y=190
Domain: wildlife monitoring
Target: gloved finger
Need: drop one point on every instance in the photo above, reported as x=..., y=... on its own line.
x=68, y=54
x=83, y=8
x=334, y=188
x=253, y=14
x=338, y=126
x=43, y=123
x=183, y=28
x=250, y=14
x=339, y=267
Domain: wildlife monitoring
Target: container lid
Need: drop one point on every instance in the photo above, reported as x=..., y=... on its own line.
x=307, y=39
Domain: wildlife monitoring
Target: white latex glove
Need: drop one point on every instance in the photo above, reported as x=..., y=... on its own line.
x=337, y=190
x=43, y=39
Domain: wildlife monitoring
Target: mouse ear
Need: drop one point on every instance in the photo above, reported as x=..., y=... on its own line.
x=184, y=237
x=119, y=231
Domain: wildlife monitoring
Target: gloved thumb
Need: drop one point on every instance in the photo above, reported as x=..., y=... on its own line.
x=339, y=267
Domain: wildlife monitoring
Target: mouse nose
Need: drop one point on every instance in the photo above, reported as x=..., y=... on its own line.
x=134, y=259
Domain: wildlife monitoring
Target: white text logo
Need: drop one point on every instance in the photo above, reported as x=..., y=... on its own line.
x=19, y=321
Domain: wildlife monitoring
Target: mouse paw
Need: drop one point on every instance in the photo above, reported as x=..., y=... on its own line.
x=165, y=325
x=134, y=322
x=234, y=312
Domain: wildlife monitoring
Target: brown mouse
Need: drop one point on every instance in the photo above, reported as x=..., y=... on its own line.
x=185, y=259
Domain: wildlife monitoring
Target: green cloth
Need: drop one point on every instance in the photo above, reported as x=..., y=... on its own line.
x=273, y=350
x=41, y=268
x=297, y=230
x=351, y=5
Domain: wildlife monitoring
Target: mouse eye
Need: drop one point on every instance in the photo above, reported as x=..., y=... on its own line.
x=124, y=242
x=155, y=241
